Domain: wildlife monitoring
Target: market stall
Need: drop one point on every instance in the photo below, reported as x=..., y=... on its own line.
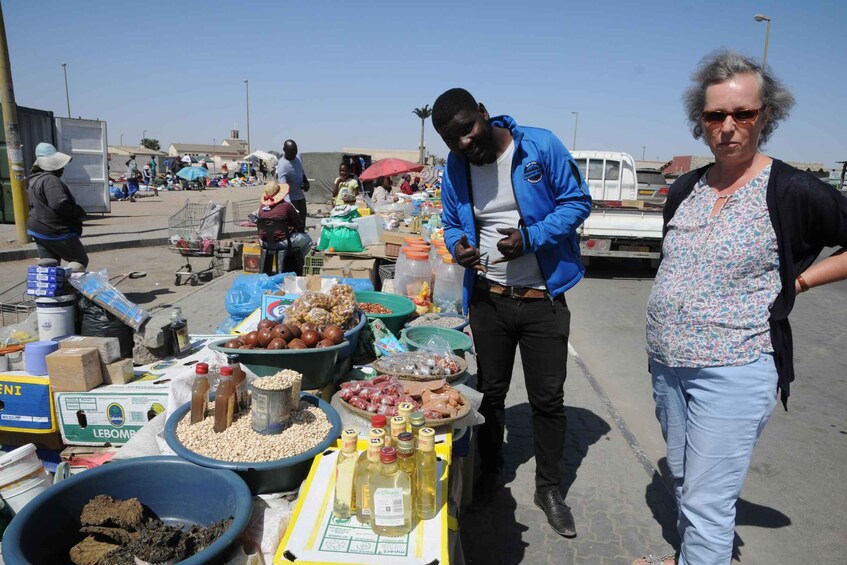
x=310, y=370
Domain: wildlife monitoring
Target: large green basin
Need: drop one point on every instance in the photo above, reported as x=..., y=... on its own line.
x=400, y=306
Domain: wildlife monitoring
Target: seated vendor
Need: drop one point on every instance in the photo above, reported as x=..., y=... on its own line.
x=382, y=195
x=273, y=206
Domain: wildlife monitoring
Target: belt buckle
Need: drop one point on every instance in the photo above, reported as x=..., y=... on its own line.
x=510, y=292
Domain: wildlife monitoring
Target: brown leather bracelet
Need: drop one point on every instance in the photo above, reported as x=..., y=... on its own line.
x=804, y=286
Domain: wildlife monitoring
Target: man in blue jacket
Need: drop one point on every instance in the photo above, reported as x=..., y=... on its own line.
x=513, y=199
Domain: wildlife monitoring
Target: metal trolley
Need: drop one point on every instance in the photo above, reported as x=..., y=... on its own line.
x=194, y=231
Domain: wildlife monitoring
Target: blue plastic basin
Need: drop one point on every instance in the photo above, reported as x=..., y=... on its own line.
x=174, y=489
x=271, y=476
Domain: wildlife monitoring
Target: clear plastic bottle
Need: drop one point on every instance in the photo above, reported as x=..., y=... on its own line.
x=391, y=497
x=447, y=294
x=365, y=467
x=242, y=402
x=405, y=409
x=418, y=422
x=344, y=504
x=224, y=400
x=381, y=422
x=200, y=393
x=406, y=455
x=398, y=426
x=426, y=476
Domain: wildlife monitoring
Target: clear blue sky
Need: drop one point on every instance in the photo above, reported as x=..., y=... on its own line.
x=334, y=74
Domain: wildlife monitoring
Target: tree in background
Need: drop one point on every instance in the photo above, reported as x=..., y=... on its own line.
x=153, y=144
x=423, y=113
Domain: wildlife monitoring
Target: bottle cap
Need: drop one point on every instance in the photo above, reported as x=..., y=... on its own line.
x=388, y=455
x=349, y=437
x=376, y=443
x=226, y=371
x=233, y=358
x=418, y=418
x=201, y=368
x=406, y=442
x=378, y=421
x=376, y=433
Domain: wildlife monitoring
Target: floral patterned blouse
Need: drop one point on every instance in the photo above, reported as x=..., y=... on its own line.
x=718, y=279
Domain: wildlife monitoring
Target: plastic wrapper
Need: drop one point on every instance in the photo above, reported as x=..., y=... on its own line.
x=318, y=316
x=245, y=294
x=337, y=306
x=420, y=364
x=96, y=287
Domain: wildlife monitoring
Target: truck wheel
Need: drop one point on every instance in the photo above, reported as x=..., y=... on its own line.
x=586, y=261
x=654, y=263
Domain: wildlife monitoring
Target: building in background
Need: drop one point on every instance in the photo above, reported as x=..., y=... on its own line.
x=681, y=164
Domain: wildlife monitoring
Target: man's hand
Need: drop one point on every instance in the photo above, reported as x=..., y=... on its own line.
x=511, y=246
x=468, y=256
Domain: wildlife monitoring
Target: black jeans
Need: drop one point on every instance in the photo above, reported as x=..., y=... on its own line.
x=300, y=206
x=541, y=328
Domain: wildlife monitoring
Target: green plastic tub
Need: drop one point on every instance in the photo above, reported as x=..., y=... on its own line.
x=316, y=365
x=400, y=306
x=416, y=337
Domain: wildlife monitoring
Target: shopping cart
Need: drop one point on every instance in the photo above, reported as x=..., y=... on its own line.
x=193, y=232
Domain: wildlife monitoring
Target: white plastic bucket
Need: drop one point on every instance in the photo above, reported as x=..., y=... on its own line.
x=370, y=229
x=56, y=316
x=22, y=477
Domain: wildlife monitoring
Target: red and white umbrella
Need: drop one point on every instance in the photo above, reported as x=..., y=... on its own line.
x=389, y=167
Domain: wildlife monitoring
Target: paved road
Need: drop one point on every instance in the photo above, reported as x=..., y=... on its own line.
x=793, y=503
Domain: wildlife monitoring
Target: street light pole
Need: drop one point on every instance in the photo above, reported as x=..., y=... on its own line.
x=643, y=151
x=214, y=169
x=760, y=18
x=67, y=95
x=122, y=140
x=575, y=124
x=247, y=91
x=143, y=135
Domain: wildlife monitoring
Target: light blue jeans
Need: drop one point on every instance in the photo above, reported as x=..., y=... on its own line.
x=711, y=419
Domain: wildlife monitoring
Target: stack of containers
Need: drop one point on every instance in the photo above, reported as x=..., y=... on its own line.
x=55, y=307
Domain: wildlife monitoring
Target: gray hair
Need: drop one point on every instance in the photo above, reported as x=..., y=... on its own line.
x=723, y=64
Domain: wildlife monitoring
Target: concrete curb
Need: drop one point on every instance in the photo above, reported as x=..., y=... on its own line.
x=30, y=252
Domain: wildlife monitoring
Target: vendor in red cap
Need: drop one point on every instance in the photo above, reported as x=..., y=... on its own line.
x=406, y=187
x=55, y=219
x=273, y=206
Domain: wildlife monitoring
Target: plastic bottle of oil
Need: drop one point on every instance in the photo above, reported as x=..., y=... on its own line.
x=200, y=393
x=398, y=426
x=391, y=497
x=426, y=476
x=224, y=400
x=242, y=397
x=364, y=470
x=381, y=422
x=345, y=469
x=406, y=457
x=418, y=422
x=405, y=409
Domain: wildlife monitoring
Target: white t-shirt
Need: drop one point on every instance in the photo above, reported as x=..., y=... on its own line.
x=495, y=207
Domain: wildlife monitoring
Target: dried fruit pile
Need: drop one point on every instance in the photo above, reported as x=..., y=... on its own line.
x=374, y=308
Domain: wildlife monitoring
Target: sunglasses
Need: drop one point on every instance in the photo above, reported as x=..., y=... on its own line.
x=718, y=117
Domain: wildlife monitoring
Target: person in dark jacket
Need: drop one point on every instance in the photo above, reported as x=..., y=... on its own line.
x=740, y=239
x=273, y=206
x=55, y=219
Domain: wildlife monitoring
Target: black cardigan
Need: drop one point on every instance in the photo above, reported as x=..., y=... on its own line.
x=807, y=215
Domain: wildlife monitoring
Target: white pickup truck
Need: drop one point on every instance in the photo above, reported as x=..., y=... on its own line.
x=620, y=225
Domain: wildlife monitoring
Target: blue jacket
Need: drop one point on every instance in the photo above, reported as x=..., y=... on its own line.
x=552, y=197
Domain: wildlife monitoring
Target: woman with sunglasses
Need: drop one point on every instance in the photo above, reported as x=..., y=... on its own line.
x=740, y=239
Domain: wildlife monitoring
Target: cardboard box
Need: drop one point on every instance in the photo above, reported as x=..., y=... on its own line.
x=336, y=266
x=273, y=306
x=108, y=415
x=27, y=403
x=118, y=373
x=109, y=347
x=74, y=369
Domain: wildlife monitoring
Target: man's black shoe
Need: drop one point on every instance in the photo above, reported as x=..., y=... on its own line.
x=487, y=486
x=558, y=513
